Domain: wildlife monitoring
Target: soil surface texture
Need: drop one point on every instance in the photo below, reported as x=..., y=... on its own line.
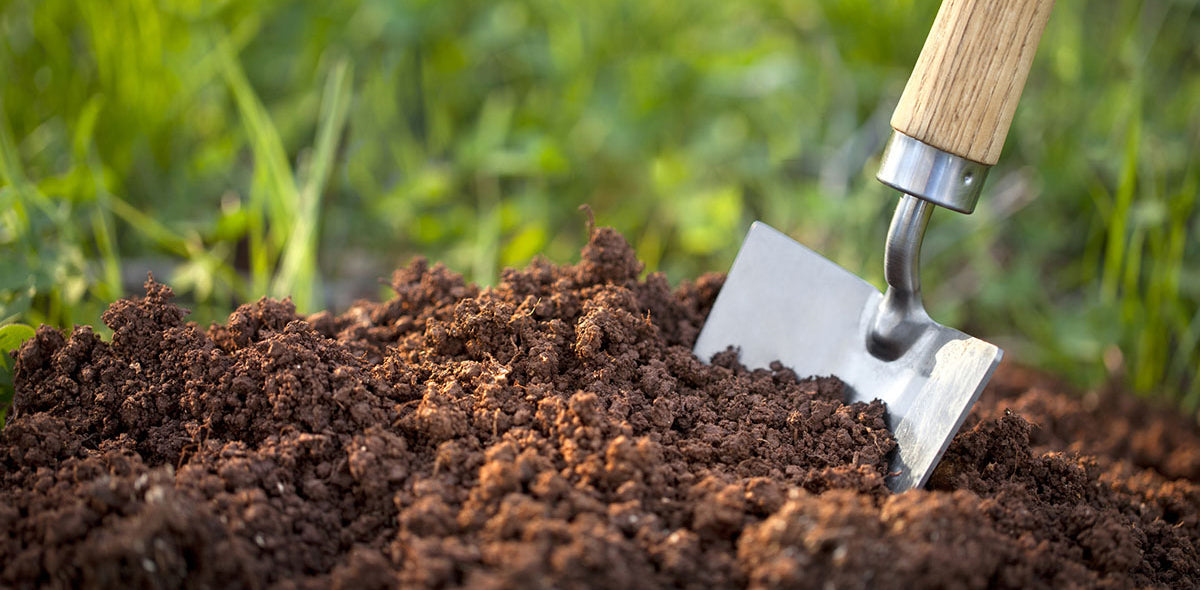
x=554, y=431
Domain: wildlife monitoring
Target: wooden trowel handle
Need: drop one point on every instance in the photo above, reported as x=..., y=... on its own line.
x=966, y=84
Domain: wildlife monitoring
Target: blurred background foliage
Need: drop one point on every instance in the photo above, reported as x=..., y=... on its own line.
x=308, y=147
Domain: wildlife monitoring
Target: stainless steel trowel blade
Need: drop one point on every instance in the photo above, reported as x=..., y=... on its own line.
x=783, y=302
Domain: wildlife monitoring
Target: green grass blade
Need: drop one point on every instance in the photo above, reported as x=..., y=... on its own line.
x=1118, y=221
x=298, y=268
x=275, y=191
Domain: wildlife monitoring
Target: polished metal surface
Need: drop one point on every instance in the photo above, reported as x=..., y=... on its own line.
x=782, y=301
x=902, y=317
x=921, y=170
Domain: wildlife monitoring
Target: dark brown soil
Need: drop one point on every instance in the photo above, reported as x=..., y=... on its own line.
x=551, y=432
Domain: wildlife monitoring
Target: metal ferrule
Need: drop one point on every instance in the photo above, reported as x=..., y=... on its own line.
x=921, y=170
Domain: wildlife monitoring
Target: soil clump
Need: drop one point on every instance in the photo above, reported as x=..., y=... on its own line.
x=553, y=431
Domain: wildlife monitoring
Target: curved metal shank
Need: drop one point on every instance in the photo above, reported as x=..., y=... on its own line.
x=942, y=178
x=901, y=318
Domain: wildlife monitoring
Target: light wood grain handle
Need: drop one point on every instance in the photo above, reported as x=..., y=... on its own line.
x=965, y=87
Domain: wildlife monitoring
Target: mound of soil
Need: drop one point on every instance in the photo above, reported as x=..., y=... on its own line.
x=552, y=432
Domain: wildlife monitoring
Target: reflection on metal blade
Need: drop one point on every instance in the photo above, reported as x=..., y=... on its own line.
x=782, y=301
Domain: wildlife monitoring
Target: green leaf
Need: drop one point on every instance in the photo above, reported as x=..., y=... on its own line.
x=13, y=335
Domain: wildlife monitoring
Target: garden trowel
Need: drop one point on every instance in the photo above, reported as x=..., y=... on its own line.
x=783, y=302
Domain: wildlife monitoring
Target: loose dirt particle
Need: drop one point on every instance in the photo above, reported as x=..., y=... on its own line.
x=554, y=431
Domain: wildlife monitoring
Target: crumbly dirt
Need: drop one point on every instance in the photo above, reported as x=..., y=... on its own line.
x=554, y=431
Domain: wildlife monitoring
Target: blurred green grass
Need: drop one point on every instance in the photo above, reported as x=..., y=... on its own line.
x=306, y=148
